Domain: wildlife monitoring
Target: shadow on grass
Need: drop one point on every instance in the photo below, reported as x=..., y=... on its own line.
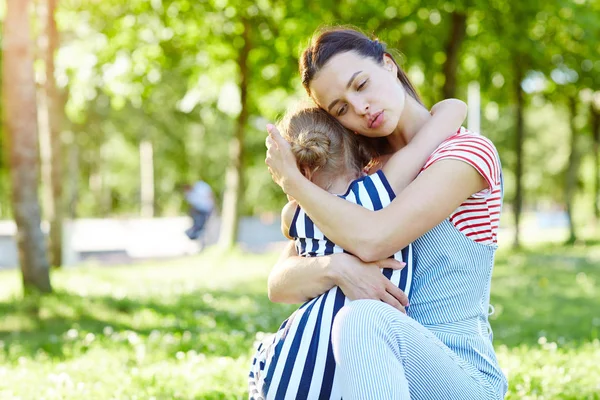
x=213, y=322
x=535, y=294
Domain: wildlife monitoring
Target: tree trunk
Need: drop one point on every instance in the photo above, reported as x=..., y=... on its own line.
x=21, y=126
x=595, y=115
x=455, y=39
x=55, y=119
x=146, y=178
x=233, y=182
x=72, y=196
x=519, y=140
x=572, y=168
x=50, y=113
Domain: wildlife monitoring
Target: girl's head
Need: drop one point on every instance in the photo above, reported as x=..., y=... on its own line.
x=323, y=148
x=356, y=80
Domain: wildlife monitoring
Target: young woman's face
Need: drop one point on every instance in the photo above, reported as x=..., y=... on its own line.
x=366, y=97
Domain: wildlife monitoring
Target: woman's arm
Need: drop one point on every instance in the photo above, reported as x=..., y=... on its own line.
x=402, y=168
x=298, y=279
x=371, y=235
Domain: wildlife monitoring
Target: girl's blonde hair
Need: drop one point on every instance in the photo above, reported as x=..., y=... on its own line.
x=320, y=142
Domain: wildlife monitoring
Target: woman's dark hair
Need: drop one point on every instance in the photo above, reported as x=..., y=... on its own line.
x=332, y=41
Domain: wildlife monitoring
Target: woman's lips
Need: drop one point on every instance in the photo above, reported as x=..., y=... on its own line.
x=377, y=121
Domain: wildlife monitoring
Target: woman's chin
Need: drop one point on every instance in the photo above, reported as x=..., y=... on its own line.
x=375, y=134
x=383, y=131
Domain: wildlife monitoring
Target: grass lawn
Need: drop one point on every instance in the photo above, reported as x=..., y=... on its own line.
x=185, y=329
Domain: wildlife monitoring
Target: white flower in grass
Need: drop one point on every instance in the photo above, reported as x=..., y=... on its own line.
x=542, y=340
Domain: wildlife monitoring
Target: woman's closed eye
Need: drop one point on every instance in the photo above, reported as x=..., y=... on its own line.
x=362, y=85
x=342, y=110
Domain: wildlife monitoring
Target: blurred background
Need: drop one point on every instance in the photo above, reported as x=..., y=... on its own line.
x=111, y=107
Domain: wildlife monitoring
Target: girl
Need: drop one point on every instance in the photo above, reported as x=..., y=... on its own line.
x=450, y=212
x=298, y=361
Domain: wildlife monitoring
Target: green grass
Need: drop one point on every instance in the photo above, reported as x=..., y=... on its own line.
x=185, y=329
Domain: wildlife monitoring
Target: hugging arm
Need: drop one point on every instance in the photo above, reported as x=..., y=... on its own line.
x=288, y=280
x=402, y=168
x=373, y=235
x=297, y=279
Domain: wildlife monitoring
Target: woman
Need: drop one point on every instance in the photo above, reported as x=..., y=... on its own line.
x=443, y=348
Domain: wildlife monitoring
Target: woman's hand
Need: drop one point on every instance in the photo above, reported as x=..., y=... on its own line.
x=280, y=160
x=360, y=280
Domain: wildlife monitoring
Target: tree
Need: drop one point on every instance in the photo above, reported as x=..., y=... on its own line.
x=21, y=126
x=519, y=140
x=52, y=107
x=595, y=124
x=454, y=40
x=572, y=168
x=233, y=188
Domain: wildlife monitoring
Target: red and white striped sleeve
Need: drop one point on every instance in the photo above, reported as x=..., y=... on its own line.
x=475, y=150
x=478, y=217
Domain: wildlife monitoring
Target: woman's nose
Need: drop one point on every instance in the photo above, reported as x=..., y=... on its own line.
x=360, y=106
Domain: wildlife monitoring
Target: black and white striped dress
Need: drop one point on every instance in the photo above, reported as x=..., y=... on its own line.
x=297, y=362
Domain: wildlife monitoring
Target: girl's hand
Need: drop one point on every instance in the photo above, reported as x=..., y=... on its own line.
x=360, y=280
x=280, y=160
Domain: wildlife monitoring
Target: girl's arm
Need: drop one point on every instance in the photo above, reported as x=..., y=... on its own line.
x=287, y=216
x=374, y=235
x=402, y=168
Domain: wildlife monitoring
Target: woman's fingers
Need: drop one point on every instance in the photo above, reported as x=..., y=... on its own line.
x=392, y=301
x=280, y=143
x=270, y=143
x=397, y=293
x=391, y=263
x=274, y=133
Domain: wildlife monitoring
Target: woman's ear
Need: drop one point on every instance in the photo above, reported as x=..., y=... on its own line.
x=389, y=64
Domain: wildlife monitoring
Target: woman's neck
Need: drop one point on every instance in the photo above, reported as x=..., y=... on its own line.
x=413, y=117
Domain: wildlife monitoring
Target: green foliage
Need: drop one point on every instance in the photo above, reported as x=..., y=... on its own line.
x=166, y=71
x=186, y=329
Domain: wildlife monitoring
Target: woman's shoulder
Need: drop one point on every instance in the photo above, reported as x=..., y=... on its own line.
x=474, y=149
x=478, y=216
x=465, y=139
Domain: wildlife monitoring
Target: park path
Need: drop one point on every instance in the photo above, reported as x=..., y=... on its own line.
x=111, y=241
x=125, y=240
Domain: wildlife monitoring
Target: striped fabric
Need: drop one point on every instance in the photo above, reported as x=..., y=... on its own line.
x=447, y=320
x=443, y=348
x=297, y=362
x=411, y=362
x=479, y=216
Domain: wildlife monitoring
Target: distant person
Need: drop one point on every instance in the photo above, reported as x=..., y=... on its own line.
x=201, y=201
